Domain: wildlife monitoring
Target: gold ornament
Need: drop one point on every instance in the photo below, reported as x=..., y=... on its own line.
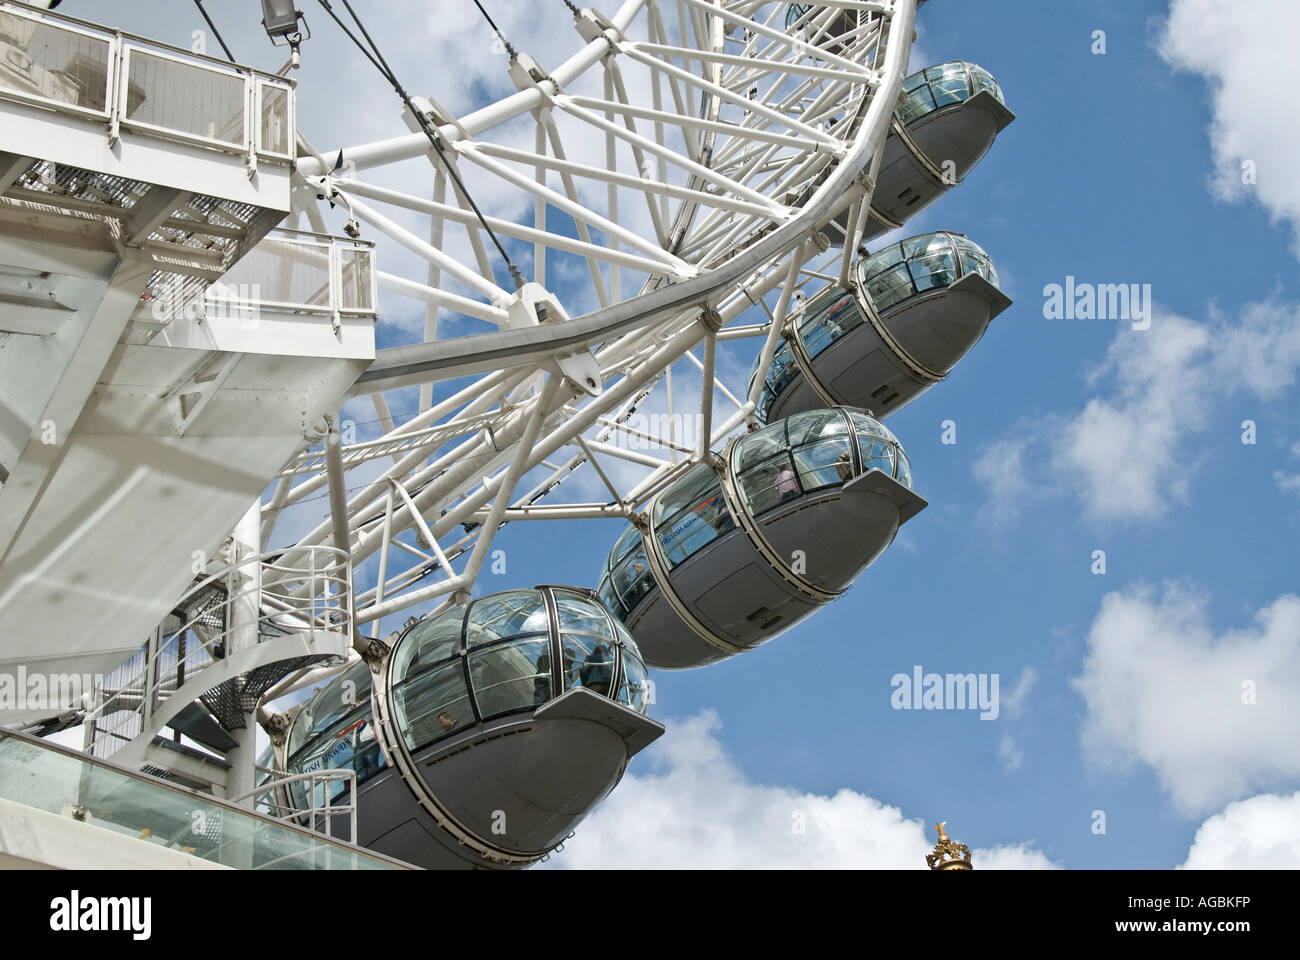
x=948, y=854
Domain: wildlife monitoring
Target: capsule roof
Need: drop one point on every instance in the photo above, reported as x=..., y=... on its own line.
x=498, y=655
x=921, y=263
x=946, y=83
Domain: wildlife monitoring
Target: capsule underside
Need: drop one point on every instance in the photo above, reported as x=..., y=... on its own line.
x=524, y=785
x=736, y=593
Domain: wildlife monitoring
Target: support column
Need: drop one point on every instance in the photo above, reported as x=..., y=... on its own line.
x=244, y=613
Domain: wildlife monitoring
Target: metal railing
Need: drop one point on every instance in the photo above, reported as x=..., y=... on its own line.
x=275, y=797
x=75, y=67
x=238, y=606
x=291, y=272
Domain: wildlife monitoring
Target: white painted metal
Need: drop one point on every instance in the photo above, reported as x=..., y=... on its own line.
x=684, y=160
x=788, y=169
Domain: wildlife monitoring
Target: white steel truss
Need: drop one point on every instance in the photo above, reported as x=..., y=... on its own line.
x=682, y=164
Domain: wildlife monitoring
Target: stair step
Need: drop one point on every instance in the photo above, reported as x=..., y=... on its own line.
x=195, y=723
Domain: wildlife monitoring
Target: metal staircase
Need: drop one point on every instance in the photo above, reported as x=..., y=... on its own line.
x=227, y=642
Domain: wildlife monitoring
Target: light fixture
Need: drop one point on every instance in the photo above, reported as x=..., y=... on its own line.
x=281, y=20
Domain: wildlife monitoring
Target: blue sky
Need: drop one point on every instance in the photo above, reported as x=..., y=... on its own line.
x=1121, y=692
x=1104, y=176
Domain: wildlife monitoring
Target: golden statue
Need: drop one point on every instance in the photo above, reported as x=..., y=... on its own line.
x=948, y=854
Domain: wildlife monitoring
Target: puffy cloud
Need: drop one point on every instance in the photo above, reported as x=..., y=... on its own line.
x=1245, y=58
x=1211, y=714
x=1261, y=833
x=1289, y=482
x=1122, y=450
x=696, y=809
x=1018, y=857
x=1128, y=453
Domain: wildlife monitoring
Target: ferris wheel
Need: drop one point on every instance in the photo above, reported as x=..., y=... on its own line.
x=700, y=179
x=704, y=172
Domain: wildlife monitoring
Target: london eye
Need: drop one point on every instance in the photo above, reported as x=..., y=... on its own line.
x=197, y=280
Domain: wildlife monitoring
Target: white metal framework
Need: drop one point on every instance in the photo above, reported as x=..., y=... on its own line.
x=671, y=183
x=682, y=164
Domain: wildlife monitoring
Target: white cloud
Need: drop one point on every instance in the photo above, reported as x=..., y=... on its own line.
x=696, y=809
x=1014, y=702
x=1128, y=453
x=1122, y=450
x=1164, y=690
x=1001, y=468
x=1019, y=857
x=1009, y=753
x=1262, y=833
x=1012, y=705
x=1289, y=482
x=1245, y=55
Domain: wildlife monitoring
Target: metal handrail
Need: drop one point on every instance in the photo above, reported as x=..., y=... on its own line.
x=115, y=110
x=334, y=256
x=320, y=609
x=281, y=779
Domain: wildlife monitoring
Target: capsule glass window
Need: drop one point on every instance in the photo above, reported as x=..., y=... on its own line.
x=806, y=452
x=349, y=744
x=782, y=369
x=828, y=322
x=634, y=686
x=428, y=642
x=794, y=11
x=945, y=84
x=623, y=546
x=630, y=581
x=879, y=449
x=981, y=79
x=927, y=262
x=936, y=266
x=511, y=676
x=329, y=704
x=589, y=662
x=949, y=83
x=690, y=514
x=627, y=575
x=433, y=704
x=502, y=615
